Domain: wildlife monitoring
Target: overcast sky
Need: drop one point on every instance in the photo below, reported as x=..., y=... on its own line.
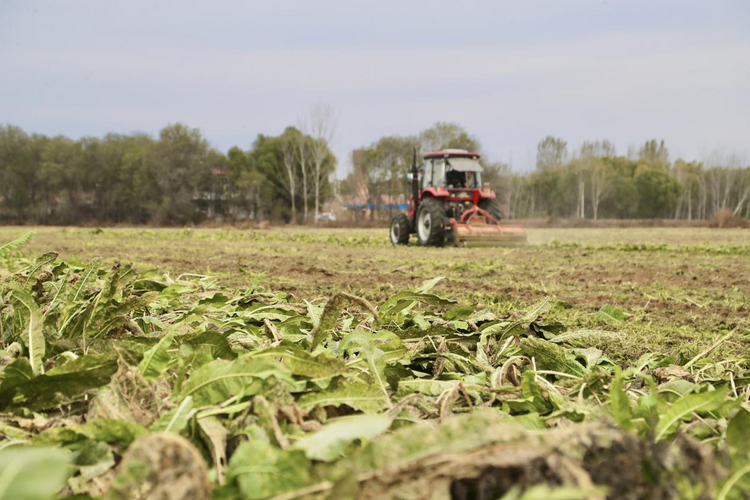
x=509, y=72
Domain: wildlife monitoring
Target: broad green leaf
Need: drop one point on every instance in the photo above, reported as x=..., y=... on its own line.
x=362, y=342
x=552, y=357
x=156, y=359
x=685, y=407
x=32, y=473
x=175, y=420
x=60, y=384
x=357, y=395
x=328, y=443
x=106, y=430
x=612, y=314
x=532, y=393
x=263, y=471
x=403, y=300
x=217, y=381
x=620, y=403
x=32, y=334
x=301, y=362
x=738, y=433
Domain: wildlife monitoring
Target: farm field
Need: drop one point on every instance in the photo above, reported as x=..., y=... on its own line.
x=324, y=363
x=680, y=287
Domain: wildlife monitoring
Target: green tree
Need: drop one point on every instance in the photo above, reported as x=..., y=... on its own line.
x=179, y=160
x=444, y=135
x=658, y=192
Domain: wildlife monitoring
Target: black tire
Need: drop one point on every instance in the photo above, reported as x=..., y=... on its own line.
x=491, y=206
x=431, y=223
x=399, y=229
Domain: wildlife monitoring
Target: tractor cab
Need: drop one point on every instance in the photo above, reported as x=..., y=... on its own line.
x=451, y=169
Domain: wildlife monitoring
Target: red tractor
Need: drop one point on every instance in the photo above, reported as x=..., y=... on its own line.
x=450, y=205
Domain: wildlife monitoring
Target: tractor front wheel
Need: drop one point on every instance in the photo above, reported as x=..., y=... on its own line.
x=492, y=207
x=431, y=223
x=400, y=229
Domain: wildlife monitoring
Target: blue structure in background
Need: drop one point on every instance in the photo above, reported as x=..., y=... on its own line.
x=369, y=206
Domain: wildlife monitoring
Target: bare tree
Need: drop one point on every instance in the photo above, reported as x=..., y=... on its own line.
x=303, y=150
x=289, y=157
x=322, y=129
x=599, y=184
x=550, y=152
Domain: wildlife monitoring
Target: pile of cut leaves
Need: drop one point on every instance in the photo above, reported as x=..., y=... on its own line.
x=119, y=384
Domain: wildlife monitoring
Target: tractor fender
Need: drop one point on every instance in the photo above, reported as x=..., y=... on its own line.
x=435, y=193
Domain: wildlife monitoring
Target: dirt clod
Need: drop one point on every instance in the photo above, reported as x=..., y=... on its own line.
x=161, y=467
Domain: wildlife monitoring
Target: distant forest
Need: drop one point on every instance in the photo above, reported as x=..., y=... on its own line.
x=178, y=178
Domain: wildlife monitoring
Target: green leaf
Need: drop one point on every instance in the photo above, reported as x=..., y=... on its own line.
x=303, y=363
x=33, y=335
x=357, y=395
x=612, y=314
x=15, y=244
x=32, y=473
x=262, y=471
x=404, y=300
x=156, y=359
x=175, y=420
x=61, y=383
x=217, y=381
x=685, y=407
x=332, y=313
x=552, y=357
x=532, y=393
x=738, y=431
x=620, y=402
x=362, y=342
x=328, y=443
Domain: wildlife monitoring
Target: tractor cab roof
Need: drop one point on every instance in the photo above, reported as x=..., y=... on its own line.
x=452, y=153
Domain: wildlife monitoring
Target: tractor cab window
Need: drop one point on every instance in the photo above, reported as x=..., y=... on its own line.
x=438, y=173
x=427, y=174
x=463, y=173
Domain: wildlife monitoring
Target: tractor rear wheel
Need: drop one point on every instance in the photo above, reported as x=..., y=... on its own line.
x=400, y=229
x=431, y=223
x=491, y=206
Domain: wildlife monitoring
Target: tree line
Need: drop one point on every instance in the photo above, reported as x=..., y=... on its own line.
x=175, y=178
x=588, y=182
x=178, y=178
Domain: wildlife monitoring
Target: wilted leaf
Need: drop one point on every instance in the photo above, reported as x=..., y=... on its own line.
x=359, y=396
x=332, y=312
x=303, y=363
x=217, y=381
x=552, y=357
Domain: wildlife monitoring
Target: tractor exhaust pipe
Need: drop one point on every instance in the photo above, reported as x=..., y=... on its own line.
x=414, y=180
